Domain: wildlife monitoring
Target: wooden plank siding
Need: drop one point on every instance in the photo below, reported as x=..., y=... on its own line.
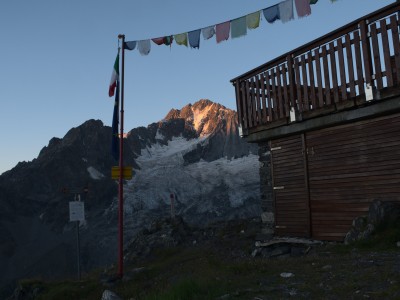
x=290, y=191
x=324, y=179
x=349, y=166
x=333, y=69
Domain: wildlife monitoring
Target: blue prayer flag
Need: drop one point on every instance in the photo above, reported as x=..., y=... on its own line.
x=194, y=38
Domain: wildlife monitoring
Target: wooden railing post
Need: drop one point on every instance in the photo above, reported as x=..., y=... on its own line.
x=243, y=91
x=292, y=82
x=366, y=50
x=239, y=101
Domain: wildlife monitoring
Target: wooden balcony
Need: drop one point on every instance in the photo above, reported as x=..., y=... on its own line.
x=333, y=73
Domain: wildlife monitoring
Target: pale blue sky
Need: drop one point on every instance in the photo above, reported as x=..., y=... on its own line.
x=57, y=57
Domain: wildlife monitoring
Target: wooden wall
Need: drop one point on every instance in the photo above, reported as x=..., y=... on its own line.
x=344, y=169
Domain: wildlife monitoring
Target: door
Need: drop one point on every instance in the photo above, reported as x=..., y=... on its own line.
x=292, y=214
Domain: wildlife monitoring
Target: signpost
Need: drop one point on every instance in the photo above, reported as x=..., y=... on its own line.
x=126, y=172
x=76, y=211
x=172, y=206
x=77, y=214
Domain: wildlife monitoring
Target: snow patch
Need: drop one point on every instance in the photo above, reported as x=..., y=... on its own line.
x=160, y=175
x=94, y=174
x=159, y=135
x=157, y=154
x=239, y=175
x=199, y=115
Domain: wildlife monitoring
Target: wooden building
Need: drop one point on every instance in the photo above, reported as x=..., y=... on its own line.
x=326, y=117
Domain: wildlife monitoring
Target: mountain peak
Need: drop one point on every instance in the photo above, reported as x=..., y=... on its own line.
x=204, y=115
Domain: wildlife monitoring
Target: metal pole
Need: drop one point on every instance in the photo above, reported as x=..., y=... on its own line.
x=121, y=165
x=78, y=247
x=172, y=207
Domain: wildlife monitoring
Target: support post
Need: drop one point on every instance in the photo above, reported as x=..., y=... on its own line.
x=121, y=166
x=172, y=206
x=78, y=246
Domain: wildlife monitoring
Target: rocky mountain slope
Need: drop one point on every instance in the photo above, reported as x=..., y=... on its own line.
x=194, y=153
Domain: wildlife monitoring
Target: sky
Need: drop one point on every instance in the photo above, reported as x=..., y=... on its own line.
x=57, y=57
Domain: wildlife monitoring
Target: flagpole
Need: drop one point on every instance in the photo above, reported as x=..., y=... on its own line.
x=121, y=165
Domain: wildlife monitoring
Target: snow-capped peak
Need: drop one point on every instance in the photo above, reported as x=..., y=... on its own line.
x=204, y=116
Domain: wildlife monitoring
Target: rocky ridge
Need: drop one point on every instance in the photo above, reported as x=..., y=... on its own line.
x=36, y=235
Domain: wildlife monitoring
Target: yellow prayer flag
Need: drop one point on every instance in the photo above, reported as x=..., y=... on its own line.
x=181, y=39
x=253, y=20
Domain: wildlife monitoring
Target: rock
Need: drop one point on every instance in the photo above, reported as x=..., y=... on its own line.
x=351, y=236
x=267, y=217
x=286, y=275
x=292, y=292
x=226, y=296
x=297, y=251
x=255, y=252
x=26, y=293
x=327, y=267
x=280, y=250
x=108, y=295
x=398, y=244
x=359, y=223
x=367, y=232
x=379, y=212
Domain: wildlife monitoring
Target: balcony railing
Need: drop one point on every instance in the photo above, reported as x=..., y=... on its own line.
x=325, y=75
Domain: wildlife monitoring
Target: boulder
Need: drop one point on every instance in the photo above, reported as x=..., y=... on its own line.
x=380, y=212
x=108, y=295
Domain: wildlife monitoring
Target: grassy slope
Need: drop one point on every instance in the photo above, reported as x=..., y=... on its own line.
x=208, y=271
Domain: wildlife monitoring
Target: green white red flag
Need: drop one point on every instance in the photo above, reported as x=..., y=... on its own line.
x=114, y=77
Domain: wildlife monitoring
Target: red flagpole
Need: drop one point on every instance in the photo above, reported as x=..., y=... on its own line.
x=121, y=165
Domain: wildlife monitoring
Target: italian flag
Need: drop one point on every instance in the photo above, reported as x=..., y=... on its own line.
x=114, y=77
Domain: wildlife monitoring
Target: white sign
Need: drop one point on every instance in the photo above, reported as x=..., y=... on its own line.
x=76, y=211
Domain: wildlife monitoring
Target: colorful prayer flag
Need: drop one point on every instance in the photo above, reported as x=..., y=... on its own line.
x=286, y=11
x=194, y=38
x=114, y=77
x=165, y=40
x=208, y=32
x=168, y=40
x=271, y=14
x=238, y=27
x=159, y=41
x=222, y=31
x=130, y=45
x=253, y=20
x=144, y=47
x=303, y=8
x=181, y=39
x=234, y=28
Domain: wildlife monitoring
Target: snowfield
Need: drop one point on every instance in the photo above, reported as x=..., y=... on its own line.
x=211, y=188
